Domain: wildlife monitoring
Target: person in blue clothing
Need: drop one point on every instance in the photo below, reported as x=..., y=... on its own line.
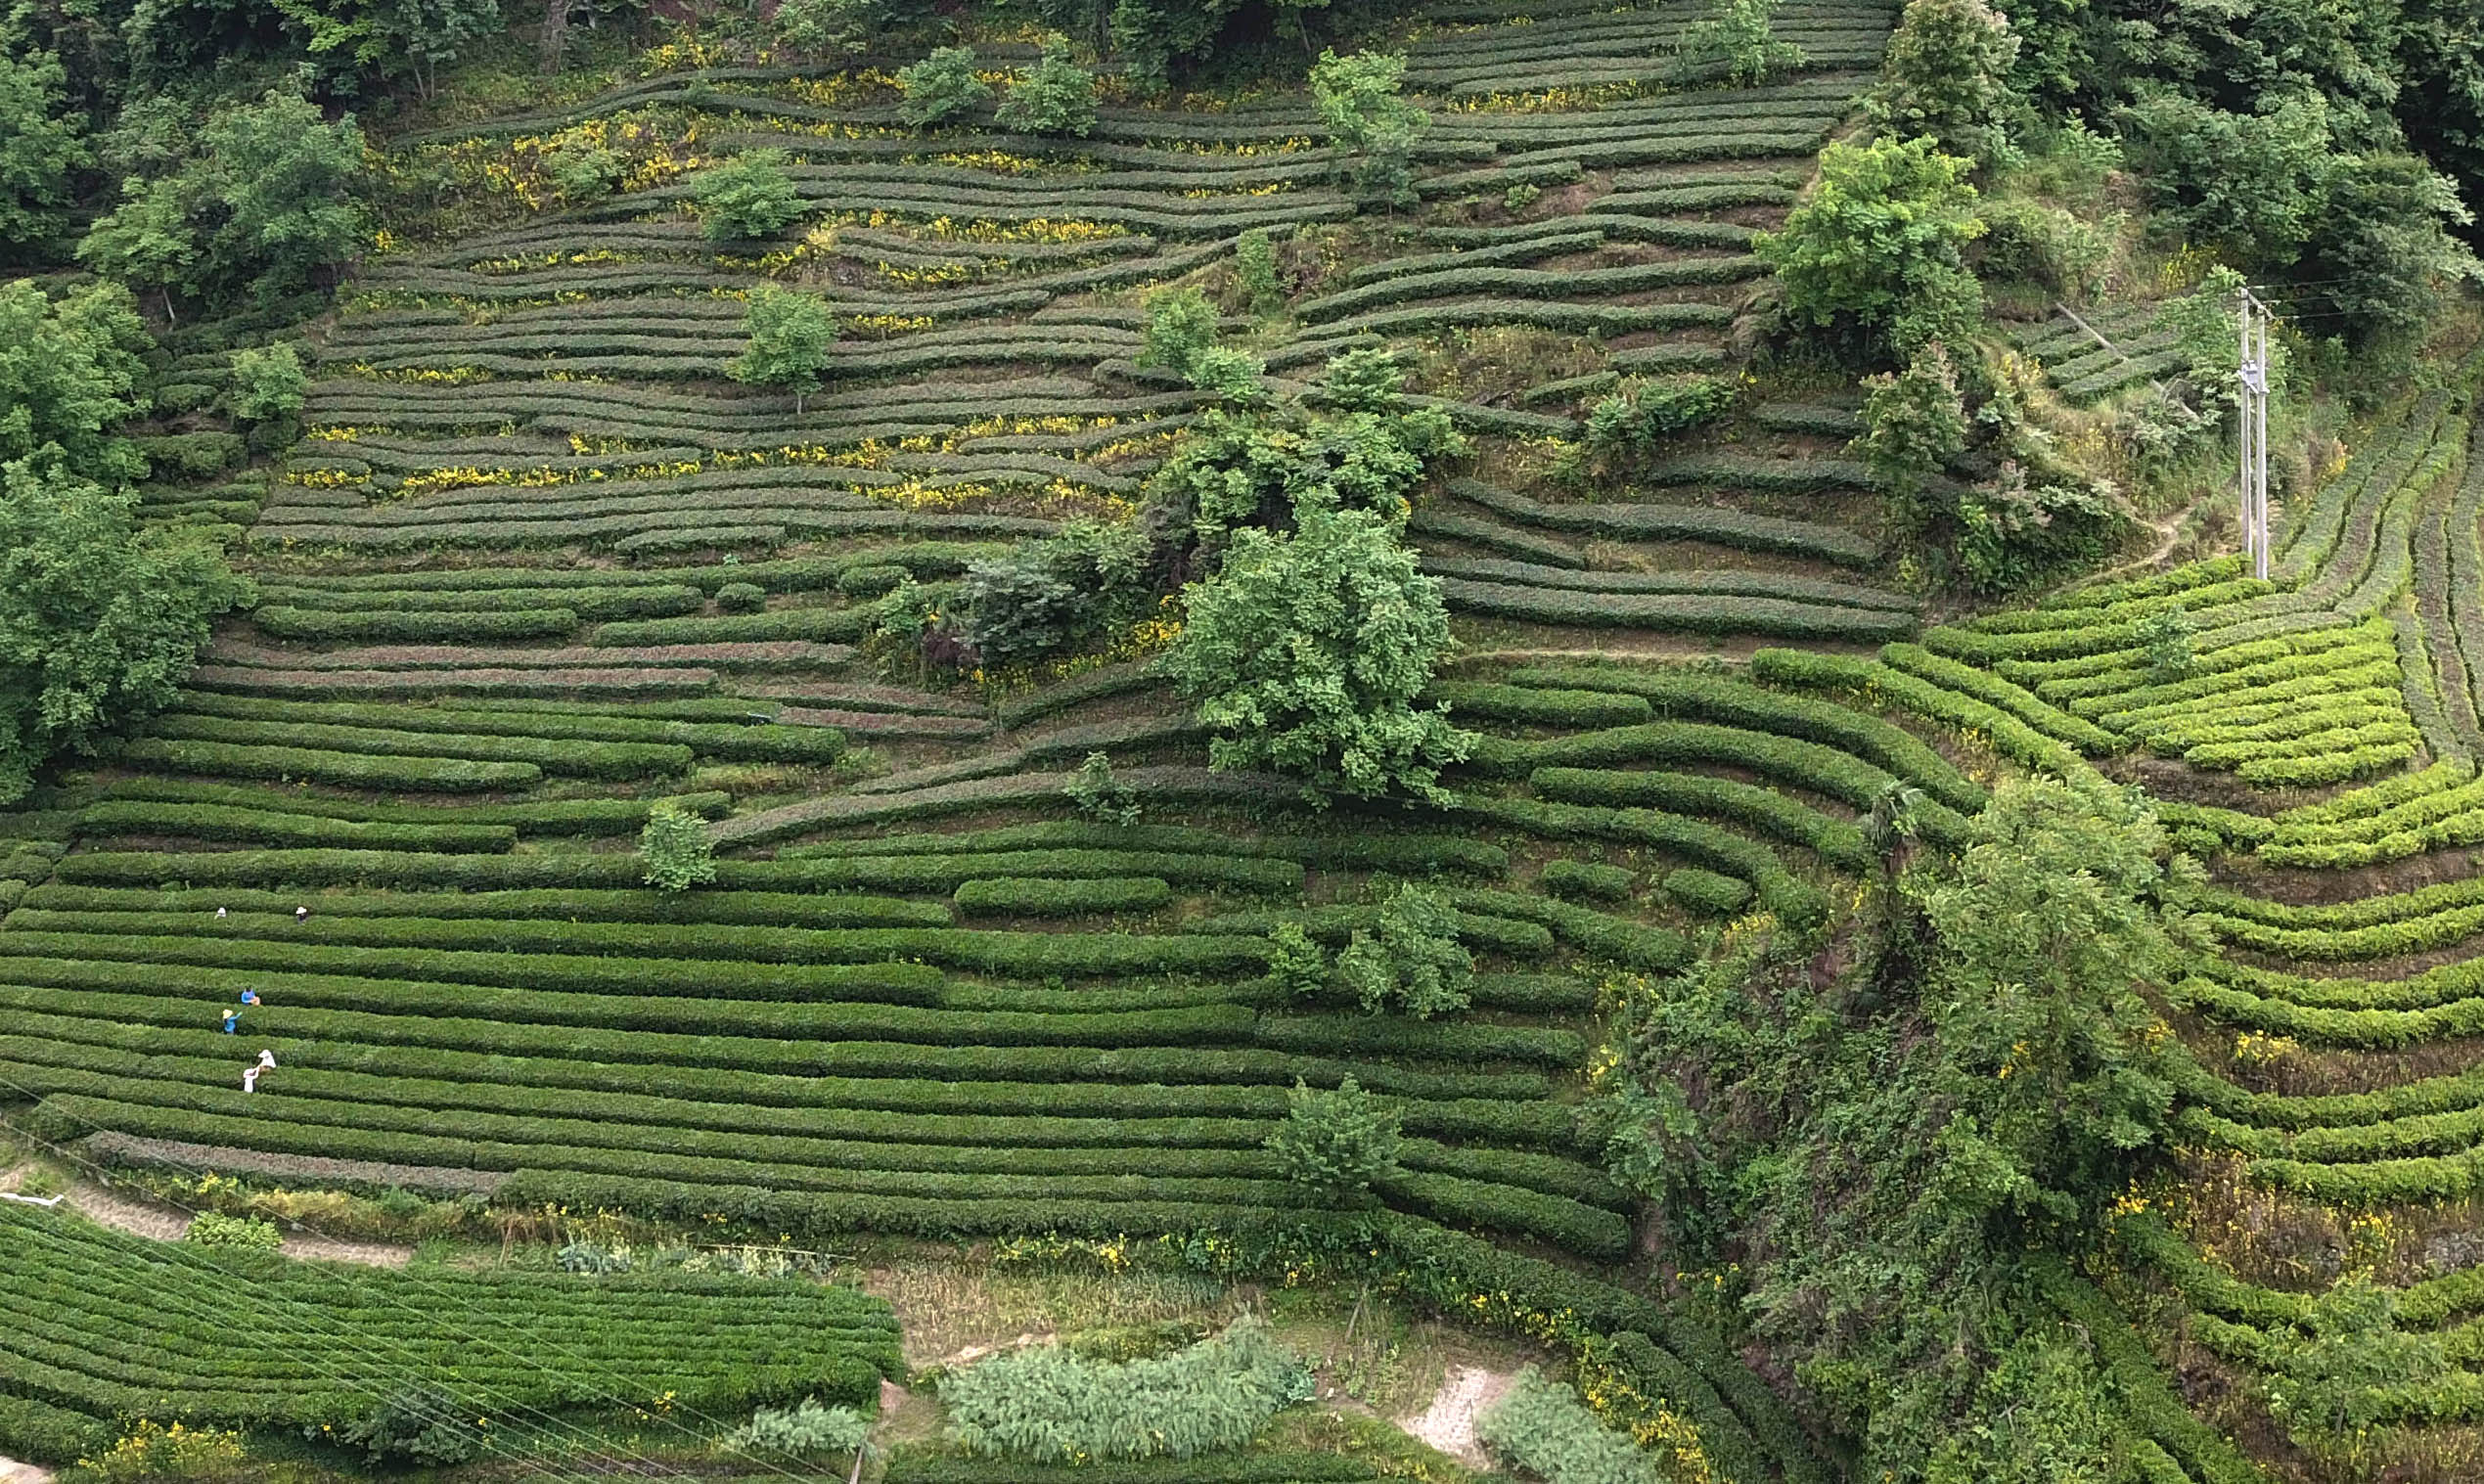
x=229, y=1017
x=249, y=997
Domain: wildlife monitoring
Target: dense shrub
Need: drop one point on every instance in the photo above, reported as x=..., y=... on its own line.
x=942, y=86
x=1543, y=1428
x=1055, y=96
x=1048, y=1404
x=806, y=1428
x=213, y=1229
x=1411, y=960
x=418, y=1424
x=675, y=851
x=1335, y=1144
x=747, y=197
x=1632, y=423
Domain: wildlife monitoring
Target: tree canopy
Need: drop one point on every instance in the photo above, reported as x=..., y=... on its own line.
x=99, y=620
x=69, y=372
x=1305, y=653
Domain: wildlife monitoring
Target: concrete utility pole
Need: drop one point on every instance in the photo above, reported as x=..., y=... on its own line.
x=2253, y=426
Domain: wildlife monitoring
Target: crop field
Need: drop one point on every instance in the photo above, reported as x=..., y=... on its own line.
x=538, y=566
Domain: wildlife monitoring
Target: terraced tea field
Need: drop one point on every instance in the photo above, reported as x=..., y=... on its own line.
x=539, y=564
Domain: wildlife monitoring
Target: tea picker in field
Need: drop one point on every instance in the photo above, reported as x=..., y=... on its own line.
x=249, y=1074
x=229, y=1017
x=302, y=914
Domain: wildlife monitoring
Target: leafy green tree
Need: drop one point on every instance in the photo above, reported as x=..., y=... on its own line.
x=1877, y=244
x=68, y=377
x=1740, y=34
x=1055, y=96
x=1947, y=75
x=2046, y=933
x=352, y=41
x=1181, y=337
x=789, y=334
x=1913, y=426
x=267, y=384
x=267, y=204
x=1369, y=120
x=2164, y=637
x=747, y=197
x=1336, y=1144
x=816, y=28
x=2251, y=183
x=1411, y=960
x=675, y=852
x=1365, y=452
x=827, y=27
x=942, y=86
x=148, y=241
x=99, y=620
x=1181, y=324
x=278, y=184
x=40, y=149
x=1306, y=652
x=2381, y=249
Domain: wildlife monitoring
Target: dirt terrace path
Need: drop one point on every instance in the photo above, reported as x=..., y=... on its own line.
x=1466, y=1393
